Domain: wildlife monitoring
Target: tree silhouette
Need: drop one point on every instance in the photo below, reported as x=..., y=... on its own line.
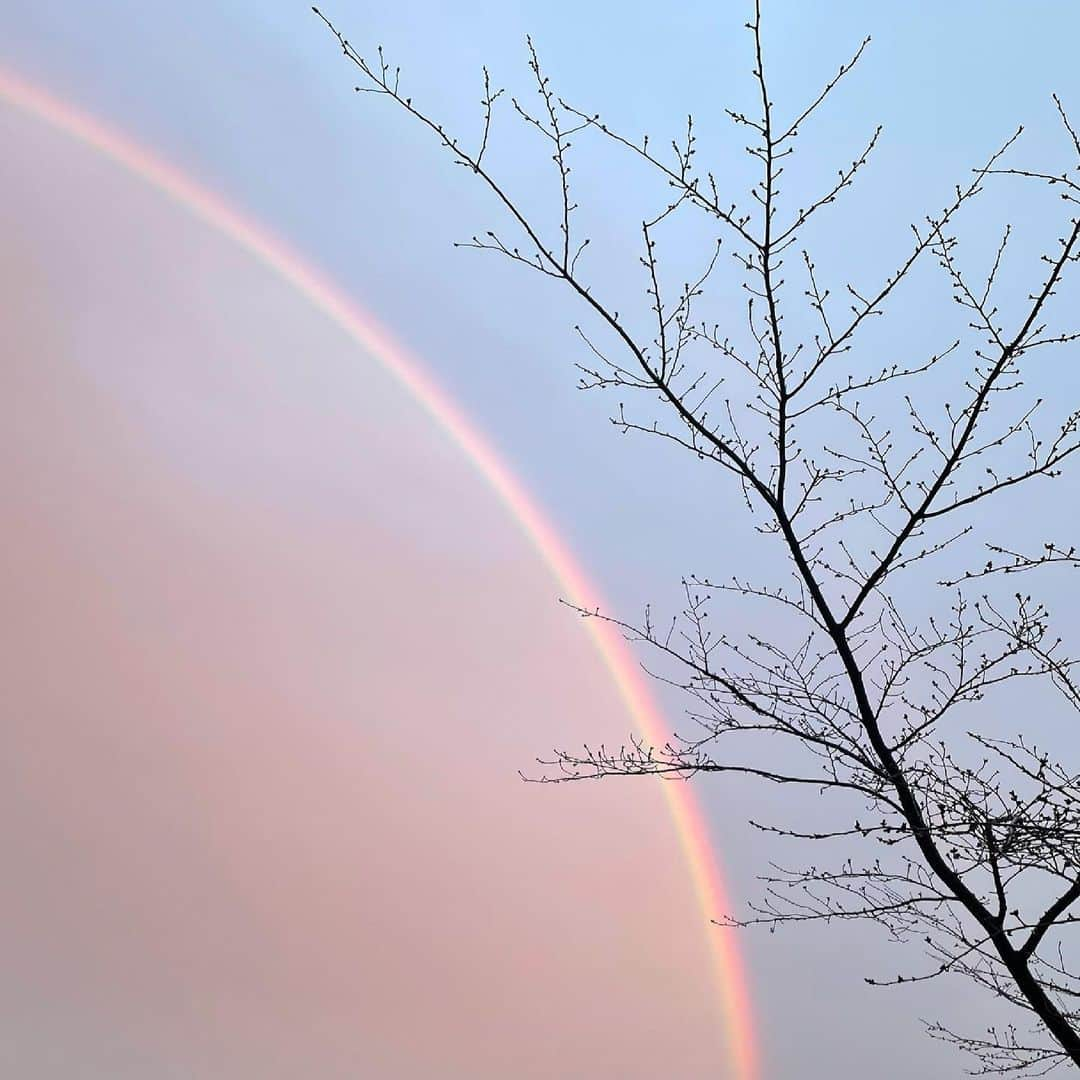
x=963, y=841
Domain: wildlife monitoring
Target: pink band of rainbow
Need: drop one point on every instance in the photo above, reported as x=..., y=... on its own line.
x=361, y=327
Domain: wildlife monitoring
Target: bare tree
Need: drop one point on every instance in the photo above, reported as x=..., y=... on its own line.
x=964, y=841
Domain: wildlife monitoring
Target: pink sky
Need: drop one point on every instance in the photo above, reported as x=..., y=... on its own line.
x=273, y=658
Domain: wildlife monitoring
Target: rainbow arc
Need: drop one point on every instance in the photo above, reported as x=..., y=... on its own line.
x=359, y=325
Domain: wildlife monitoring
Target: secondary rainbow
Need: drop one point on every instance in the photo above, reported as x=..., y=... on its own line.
x=326, y=297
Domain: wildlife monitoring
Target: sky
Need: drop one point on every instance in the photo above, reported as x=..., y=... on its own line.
x=269, y=604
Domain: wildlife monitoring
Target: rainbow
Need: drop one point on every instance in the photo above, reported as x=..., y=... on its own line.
x=362, y=328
